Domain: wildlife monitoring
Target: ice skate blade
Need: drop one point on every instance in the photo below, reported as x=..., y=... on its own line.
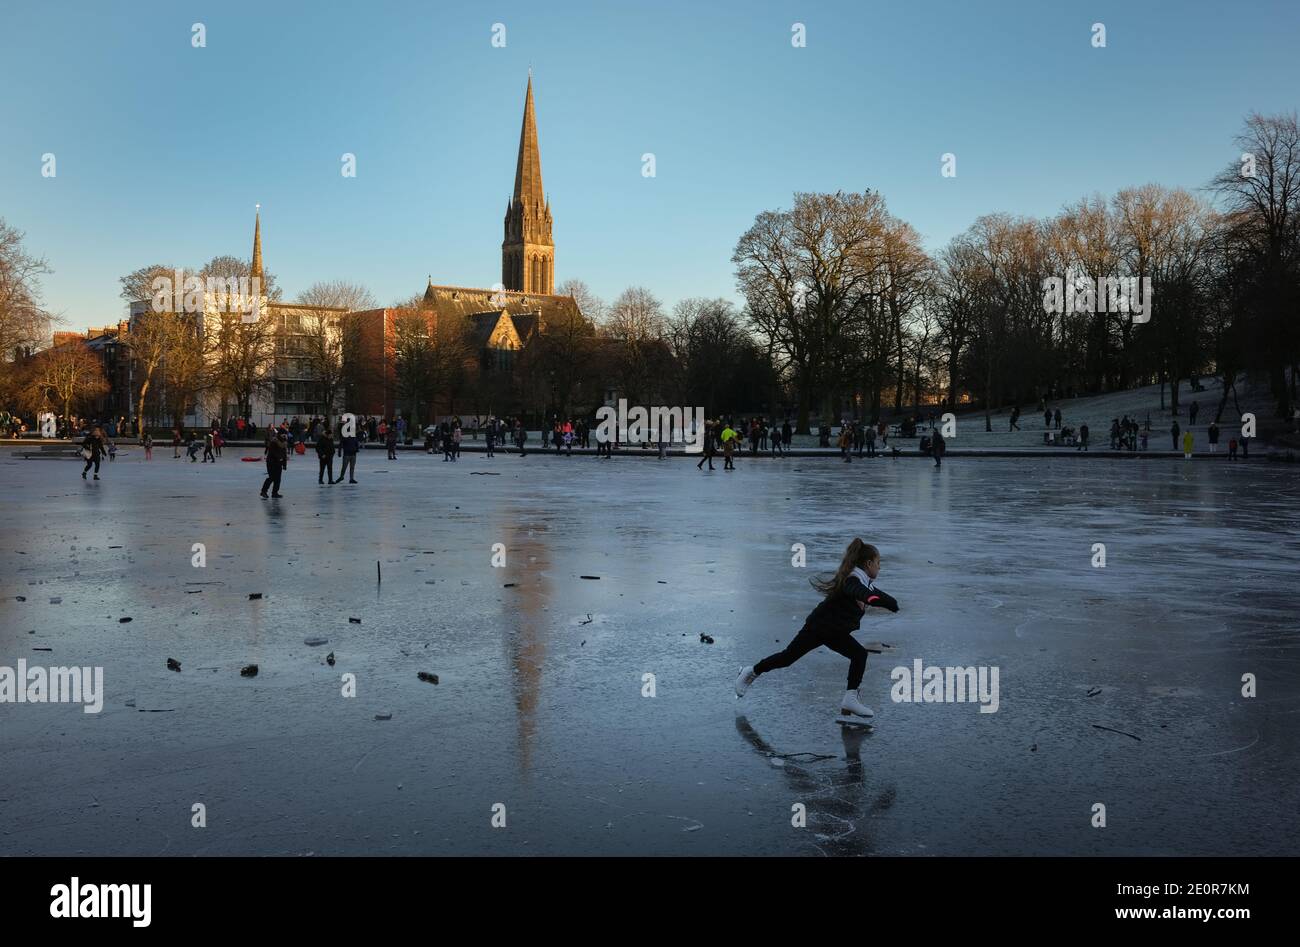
x=852, y=720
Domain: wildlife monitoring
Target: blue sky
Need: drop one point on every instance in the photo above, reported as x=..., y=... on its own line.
x=163, y=149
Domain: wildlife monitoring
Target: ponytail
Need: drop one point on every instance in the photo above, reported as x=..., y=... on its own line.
x=858, y=554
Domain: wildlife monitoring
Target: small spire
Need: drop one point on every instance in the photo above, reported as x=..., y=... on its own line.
x=256, y=269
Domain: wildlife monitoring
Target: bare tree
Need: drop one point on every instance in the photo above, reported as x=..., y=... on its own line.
x=24, y=322
x=591, y=306
x=1261, y=199
x=565, y=356
x=329, y=333
x=161, y=331
x=432, y=359
x=958, y=290
x=1165, y=236
x=64, y=376
x=807, y=275
x=635, y=323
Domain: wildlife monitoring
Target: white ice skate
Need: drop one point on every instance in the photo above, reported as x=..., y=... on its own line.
x=853, y=712
x=747, y=677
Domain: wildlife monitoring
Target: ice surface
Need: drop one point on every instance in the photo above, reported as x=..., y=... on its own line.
x=540, y=704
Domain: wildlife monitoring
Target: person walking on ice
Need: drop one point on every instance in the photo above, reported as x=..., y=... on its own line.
x=847, y=595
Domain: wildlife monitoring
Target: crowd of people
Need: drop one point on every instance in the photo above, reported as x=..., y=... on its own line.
x=725, y=435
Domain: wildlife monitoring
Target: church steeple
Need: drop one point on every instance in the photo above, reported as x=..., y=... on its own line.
x=528, y=251
x=256, y=269
x=528, y=169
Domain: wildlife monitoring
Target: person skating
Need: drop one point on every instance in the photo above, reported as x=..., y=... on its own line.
x=937, y=447
x=390, y=441
x=208, y=447
x=92, y=449
x=1174, y=432
x=147, y=443
x=277, y=448
x=325, y=452
x=831, y=624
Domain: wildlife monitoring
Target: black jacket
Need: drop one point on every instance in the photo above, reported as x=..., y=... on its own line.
x=840, y=614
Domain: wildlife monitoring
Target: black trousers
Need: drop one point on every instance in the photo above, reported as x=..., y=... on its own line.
x=274, y=470
x=810, y=638
x=326, y=467
x=93, y=460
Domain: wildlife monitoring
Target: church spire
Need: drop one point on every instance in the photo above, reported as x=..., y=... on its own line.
x=256, y=269
x=528, y=170
x=528, y=251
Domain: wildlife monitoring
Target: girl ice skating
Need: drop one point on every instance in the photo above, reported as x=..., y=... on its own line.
x=832, y=623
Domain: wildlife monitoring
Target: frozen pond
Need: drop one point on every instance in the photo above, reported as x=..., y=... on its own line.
x=540, y=706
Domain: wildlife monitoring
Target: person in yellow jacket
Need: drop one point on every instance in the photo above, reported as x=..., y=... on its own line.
x=1187, y=445
x=728, y=438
